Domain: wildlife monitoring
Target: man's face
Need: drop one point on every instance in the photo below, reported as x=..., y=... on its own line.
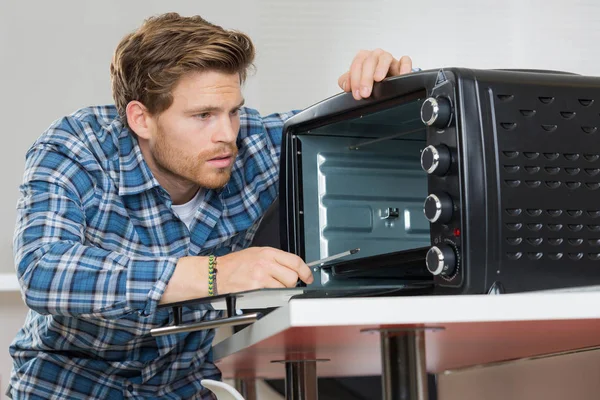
x=193, y=142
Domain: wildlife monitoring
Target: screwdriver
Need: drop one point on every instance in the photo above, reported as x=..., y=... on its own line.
x=319, y=263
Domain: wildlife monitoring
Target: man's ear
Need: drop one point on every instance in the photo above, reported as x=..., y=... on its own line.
x=139, y=119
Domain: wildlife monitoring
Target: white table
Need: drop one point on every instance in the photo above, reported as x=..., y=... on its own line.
x=341, y=337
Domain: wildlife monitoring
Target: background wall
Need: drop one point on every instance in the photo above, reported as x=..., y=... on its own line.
x=55, y=58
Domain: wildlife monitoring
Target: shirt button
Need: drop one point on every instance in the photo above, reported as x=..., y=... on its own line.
x=130, y=388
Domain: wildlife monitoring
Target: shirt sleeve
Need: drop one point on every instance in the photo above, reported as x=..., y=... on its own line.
x=59, y=274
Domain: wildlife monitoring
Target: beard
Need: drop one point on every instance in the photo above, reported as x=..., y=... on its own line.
x=192, y=168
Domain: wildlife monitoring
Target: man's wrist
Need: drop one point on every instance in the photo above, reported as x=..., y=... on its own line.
x=189, y=280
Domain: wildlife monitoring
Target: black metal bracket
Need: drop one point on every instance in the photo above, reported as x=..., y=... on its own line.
x=230, y=320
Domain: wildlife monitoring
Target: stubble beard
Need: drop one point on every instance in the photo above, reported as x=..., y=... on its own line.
x=195, y=170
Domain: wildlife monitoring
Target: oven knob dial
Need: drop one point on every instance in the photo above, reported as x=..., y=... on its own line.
x=436, y=112
x=438, y=207
x=441, y=260
x=436, y=159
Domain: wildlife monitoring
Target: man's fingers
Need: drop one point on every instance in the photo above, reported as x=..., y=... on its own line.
x=273, y=283
x=383, y=66
x=294, y=263
x=286, y=276
x=367, y=73
x=405, y=65
x=343, y=81
x=369, y=67
x=401, y=66
x=356, y=73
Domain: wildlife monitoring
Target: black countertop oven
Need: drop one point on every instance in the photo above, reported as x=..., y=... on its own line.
x=469, y=180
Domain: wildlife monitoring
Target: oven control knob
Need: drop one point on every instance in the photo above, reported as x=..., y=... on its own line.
x=438, y=207
x=441, y=260
x=436, y=159
x=436, y=112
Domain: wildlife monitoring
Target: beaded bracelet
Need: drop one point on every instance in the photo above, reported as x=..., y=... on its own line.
x=212, y=275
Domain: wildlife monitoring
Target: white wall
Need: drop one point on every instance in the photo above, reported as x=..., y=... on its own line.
x=54, y=58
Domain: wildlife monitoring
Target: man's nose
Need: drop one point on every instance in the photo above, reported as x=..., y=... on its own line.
x=226, y=132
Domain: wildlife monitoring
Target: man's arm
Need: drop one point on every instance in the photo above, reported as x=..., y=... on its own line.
x=61, y=275
x=58, y=273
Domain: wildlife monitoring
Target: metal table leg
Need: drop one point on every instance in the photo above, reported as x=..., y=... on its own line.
x=403, y=375
x=247, y=388
x=301, y=380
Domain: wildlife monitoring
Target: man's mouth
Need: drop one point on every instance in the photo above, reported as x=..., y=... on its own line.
x=221, y=161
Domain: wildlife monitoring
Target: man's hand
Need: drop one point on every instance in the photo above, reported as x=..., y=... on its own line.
x=252, y=268
x=372, y=66
x=260, y=267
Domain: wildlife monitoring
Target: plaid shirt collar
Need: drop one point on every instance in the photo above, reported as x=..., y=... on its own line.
x=134, y=175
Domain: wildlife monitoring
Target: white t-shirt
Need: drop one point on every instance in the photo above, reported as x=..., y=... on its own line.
x=186, y=211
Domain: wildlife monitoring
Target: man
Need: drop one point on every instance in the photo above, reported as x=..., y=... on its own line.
x=129, y=206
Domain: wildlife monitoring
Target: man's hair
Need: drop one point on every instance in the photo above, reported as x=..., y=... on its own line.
x=149, y=62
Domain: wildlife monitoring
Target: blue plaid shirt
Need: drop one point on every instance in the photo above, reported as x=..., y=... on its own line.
x=96, y=243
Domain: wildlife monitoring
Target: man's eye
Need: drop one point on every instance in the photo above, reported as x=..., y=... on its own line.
x=235, y=112
x=203, y=115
